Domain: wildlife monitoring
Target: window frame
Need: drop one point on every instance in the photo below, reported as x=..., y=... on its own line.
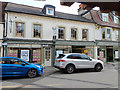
x=60, y=34
x=105, y=17
x=75, y=36
x=16, y=29
x=47, y=11
x=87, y=35
x=40, y=30
x=106, y=33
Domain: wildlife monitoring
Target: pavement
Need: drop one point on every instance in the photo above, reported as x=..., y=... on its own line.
x=48, y=70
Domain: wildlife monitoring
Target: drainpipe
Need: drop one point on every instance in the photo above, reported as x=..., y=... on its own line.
x=5, y=35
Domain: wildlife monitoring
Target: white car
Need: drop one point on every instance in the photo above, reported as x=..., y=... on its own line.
x=72, y=61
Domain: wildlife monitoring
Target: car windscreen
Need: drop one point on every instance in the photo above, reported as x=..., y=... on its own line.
x=60, y=56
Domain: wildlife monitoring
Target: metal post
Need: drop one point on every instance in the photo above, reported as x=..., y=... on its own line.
x=53, y=52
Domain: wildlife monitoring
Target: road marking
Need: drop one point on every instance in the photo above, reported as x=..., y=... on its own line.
x=53, y=84
x=16, y=86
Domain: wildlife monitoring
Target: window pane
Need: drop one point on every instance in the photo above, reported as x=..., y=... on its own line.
x=73, y=33
x=61, y=33
x=37, y=29
x=103, y=33
x=84, y=56
x=84, y=34
x=19, y=29
x=108, y=33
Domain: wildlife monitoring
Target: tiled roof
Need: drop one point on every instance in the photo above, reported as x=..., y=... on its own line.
x=97, y=19
x=11, y=7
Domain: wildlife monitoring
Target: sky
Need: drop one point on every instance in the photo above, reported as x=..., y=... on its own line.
x=40, y=3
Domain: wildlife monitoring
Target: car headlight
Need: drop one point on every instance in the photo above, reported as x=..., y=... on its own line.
x=38, y=66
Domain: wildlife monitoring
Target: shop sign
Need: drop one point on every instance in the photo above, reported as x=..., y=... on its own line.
x=4, y=44
x=25, y=55
x=45, y=45
x=1, y=44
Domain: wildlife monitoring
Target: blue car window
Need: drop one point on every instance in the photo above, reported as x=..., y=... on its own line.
x=4, y=61
x=15, y=61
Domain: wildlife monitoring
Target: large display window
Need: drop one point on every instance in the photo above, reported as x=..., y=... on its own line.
x=12, y=52
x=36, y=55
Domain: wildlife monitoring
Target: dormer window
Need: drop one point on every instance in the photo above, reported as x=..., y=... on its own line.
x=50, y=11
x=105, y=17
x=116, y=20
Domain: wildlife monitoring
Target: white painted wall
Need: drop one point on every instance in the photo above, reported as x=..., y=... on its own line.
x=1, y=31
x=47, y=24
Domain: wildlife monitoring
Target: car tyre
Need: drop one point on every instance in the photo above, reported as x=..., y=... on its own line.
x=70, y=69
x=98, y=67
x=32, y=73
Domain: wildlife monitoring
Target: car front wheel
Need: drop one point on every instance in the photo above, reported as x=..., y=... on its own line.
x=70, y=69
x=98, y=67
x=32, y=73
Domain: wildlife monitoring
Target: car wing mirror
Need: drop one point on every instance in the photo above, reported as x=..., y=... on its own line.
x=23, y=64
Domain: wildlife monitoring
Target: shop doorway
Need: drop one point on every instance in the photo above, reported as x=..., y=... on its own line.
x=109, y=54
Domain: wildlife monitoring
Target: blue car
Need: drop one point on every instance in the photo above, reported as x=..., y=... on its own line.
x=12, y=66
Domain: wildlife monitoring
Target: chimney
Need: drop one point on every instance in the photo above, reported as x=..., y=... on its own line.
x=83, y=9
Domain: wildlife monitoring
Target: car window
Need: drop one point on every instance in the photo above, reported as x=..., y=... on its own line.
x=15, y=61
x=74, y=56
x=84, y=57
x=61, y=56
x=4, y=61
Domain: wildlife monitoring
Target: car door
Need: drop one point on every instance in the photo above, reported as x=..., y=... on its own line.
x=76, y=60
x=6, y=70
x=86, y=61
x=17, y=68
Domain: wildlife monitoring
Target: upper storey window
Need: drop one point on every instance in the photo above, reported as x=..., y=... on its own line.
x=116, y=20
x=105, y=17
x=50, y=11
x=19, y=29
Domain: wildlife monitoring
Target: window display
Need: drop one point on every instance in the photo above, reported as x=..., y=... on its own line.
x=36, y=54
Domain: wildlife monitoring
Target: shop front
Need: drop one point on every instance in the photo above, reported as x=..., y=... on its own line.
x=30, y=52
x=84, y=47
x=108, y=51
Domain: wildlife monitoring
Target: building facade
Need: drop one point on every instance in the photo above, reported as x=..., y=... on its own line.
x=39, y=35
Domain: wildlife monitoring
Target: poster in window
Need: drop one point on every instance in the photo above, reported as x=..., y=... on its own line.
x=116, y=54
x=25, y=55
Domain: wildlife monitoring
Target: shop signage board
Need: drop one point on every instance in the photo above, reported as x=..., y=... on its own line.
x=25, y=55
x=4, y=44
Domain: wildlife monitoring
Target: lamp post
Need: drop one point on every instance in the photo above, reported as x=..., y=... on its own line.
x=53, y=45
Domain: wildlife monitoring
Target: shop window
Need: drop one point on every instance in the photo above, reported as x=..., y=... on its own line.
x=106, y=33
x=37, y=30
x=19, y=29
x=12, y=52
x=73, y=33
x=84, y=34
x=36, y=55
x=61, y=32
x=105, y=17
